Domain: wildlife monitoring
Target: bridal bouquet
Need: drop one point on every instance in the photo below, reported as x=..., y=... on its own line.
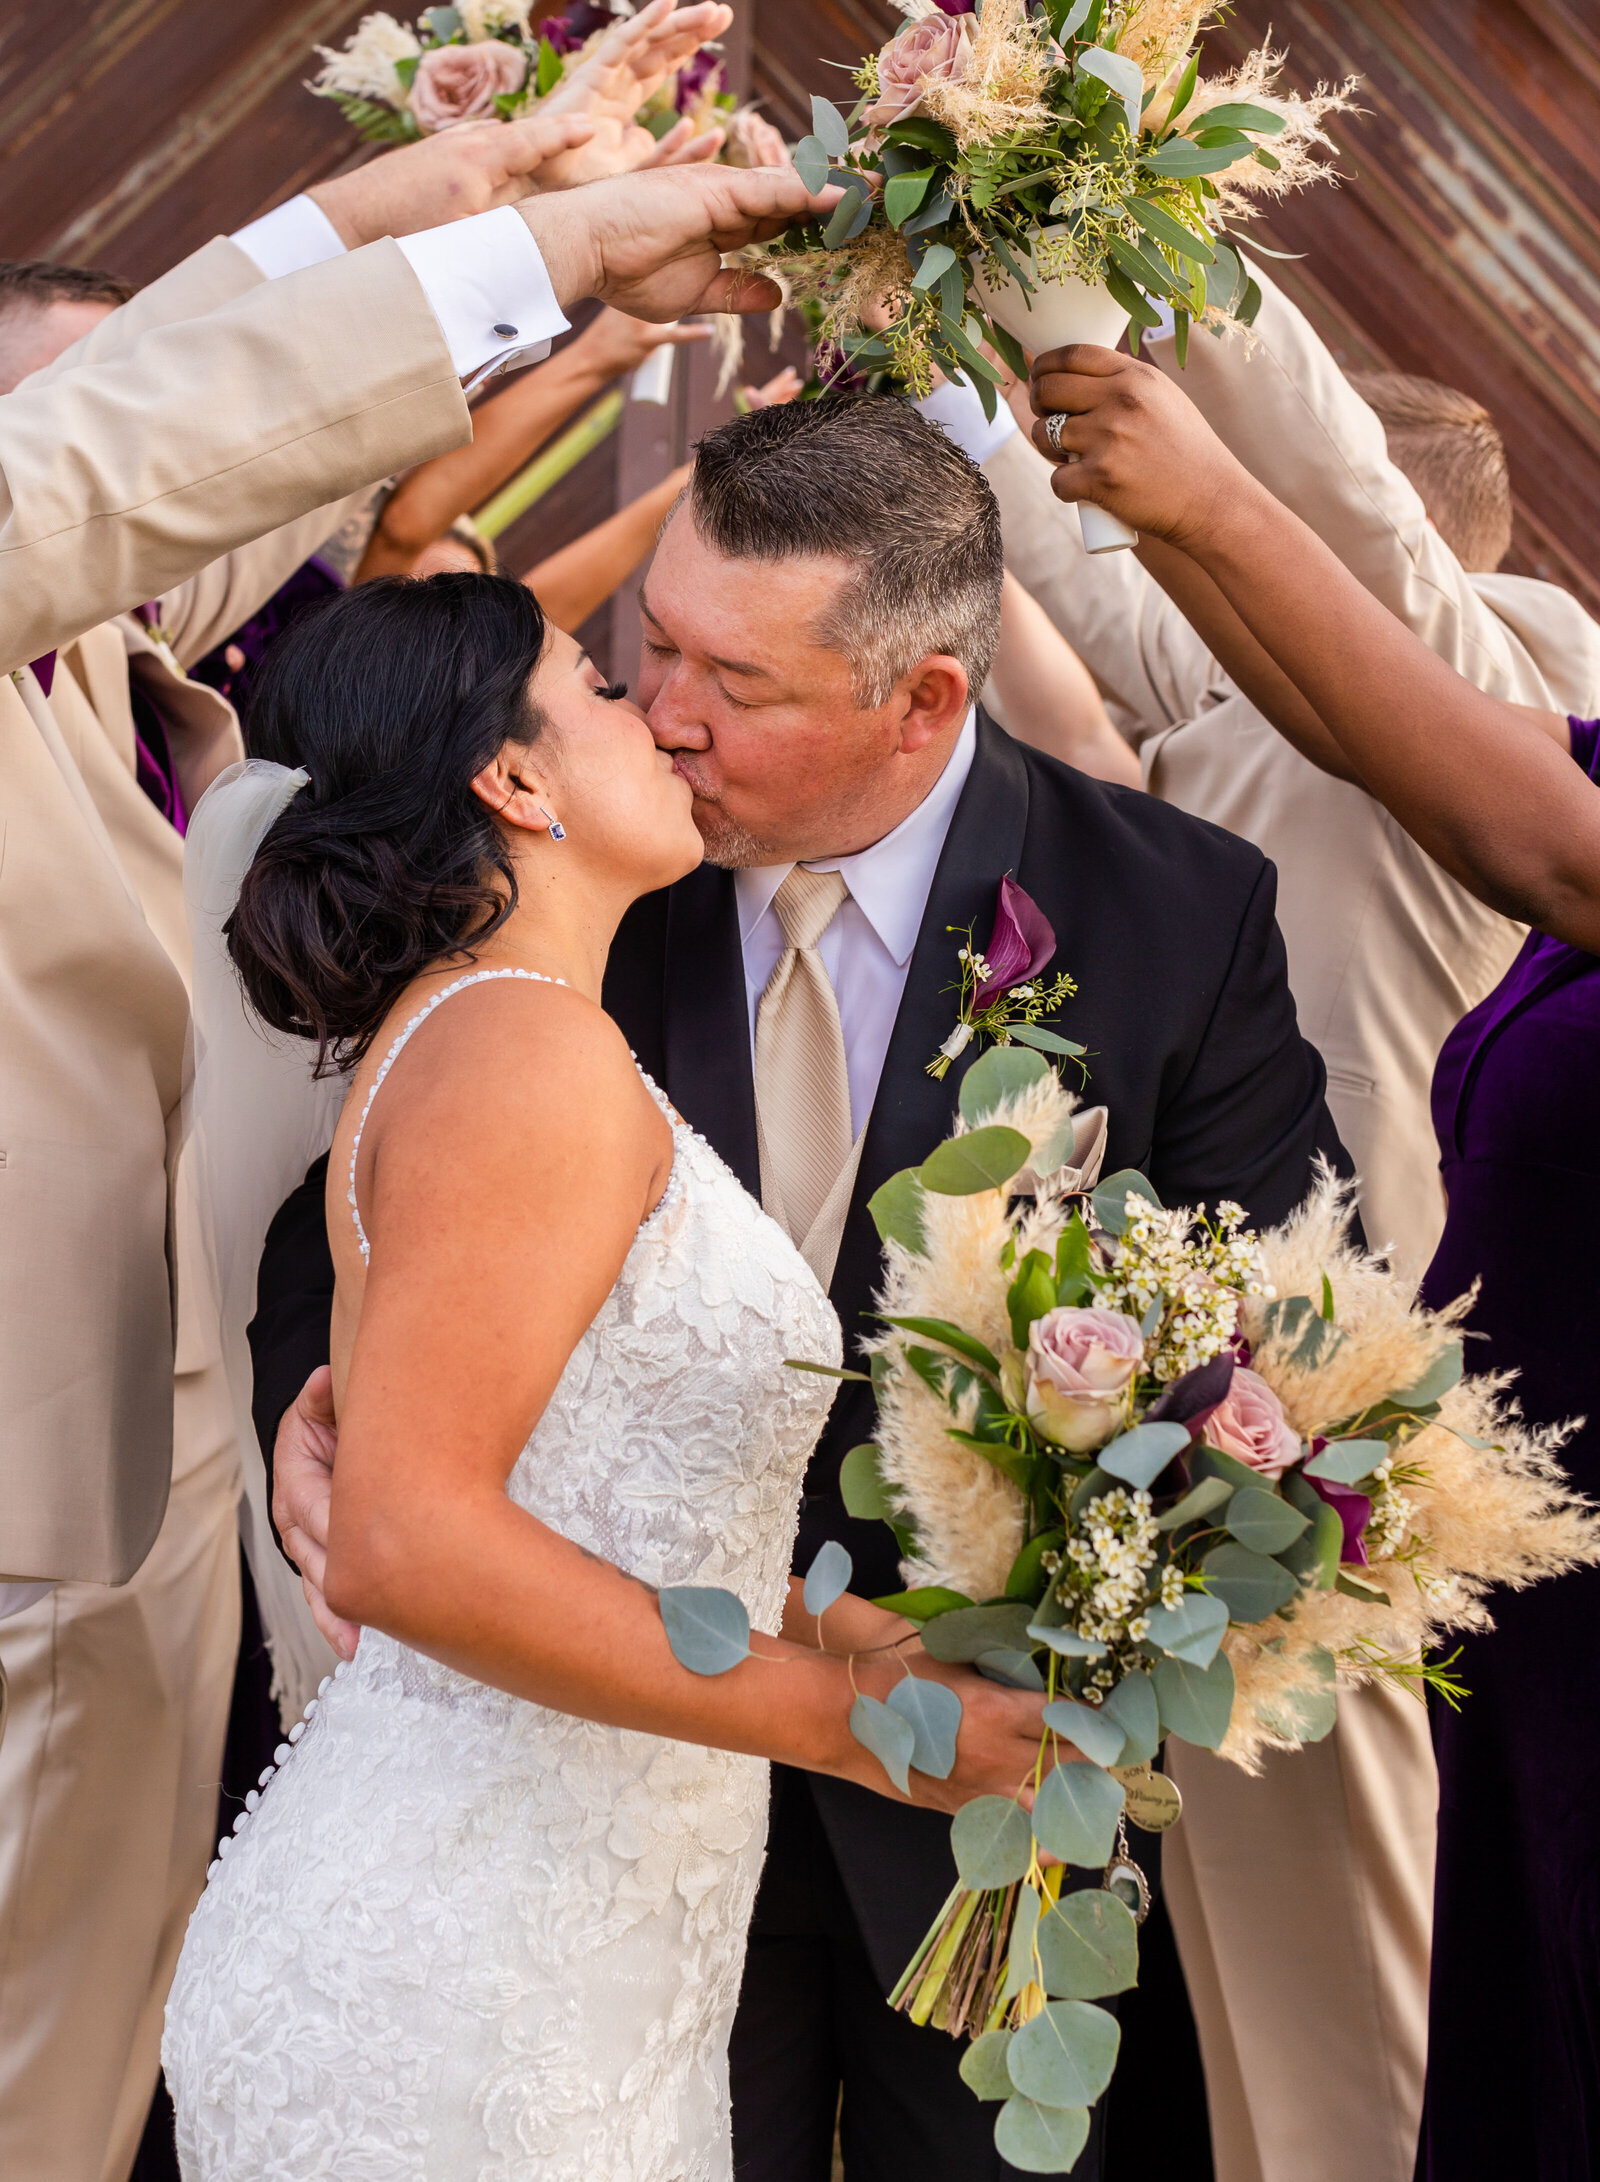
x=483, y=61
x=1031, y=172
x=1180, y=1479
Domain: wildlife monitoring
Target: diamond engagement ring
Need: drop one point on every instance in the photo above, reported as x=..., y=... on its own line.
x=1052, y=432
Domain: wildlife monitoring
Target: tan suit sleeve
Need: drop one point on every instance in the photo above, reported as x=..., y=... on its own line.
x=121, y=478
x=198, y=614
x=1284, y=407
x=203, y=282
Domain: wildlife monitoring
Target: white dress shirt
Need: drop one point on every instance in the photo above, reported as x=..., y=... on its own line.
x=484, y=279
x=866, y=950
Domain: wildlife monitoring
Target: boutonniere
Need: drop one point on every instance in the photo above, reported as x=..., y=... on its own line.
x=1001, y=995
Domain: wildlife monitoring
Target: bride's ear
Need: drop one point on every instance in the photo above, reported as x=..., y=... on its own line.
x=515, y=790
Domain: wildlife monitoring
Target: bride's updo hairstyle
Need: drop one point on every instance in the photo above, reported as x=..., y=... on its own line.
x=392, y=696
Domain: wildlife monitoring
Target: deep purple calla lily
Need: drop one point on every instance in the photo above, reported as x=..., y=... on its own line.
x=1352, y=1509
x=1020, y=945
x=955, y=7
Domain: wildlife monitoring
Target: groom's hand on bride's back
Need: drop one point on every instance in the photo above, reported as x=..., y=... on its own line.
x=302, y=1494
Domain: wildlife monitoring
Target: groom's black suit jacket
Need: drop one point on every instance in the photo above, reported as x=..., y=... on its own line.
x=1165, y=922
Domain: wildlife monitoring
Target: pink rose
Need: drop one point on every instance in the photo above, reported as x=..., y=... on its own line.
x=456, y=83
x=1250, y=1425
x=1080, y=1366
x=935, y=50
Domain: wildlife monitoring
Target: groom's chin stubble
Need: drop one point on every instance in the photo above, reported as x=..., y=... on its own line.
x=729, y=845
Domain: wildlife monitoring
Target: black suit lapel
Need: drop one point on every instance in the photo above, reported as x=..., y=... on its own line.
x=707, y=1025
x=913, y=1110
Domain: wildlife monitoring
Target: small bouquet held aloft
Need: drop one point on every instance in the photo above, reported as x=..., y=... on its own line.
x=1034, y=172
x=1180, y=1479
x=483, y=60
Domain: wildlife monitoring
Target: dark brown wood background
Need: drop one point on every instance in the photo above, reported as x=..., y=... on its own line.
x=1462, y=242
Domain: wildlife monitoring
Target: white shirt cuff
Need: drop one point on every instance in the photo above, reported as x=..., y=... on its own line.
x=296, y=235
x=489, y=290
x=959, y=413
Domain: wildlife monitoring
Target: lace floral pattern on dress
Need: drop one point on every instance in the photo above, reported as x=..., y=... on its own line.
x=463, y=1936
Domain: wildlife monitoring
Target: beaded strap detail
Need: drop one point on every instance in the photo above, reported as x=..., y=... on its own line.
x=478, y=977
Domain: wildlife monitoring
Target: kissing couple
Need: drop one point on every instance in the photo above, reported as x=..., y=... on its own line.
x=634, y=1007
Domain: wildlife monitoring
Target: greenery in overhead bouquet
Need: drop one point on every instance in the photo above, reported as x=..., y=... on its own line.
x=1181, y=1479
x=1031, y=141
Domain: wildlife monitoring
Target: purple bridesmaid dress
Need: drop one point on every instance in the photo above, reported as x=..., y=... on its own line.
x=1514, y=2017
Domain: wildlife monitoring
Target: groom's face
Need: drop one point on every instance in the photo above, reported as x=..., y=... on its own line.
x=762, y=718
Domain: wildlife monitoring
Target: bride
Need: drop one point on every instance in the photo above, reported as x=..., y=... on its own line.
x=488, y=1917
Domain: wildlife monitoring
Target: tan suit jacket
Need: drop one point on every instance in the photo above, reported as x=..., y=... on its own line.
x=1386, y=952
x=154, y=458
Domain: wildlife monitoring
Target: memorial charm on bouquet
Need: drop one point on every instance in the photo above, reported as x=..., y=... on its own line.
x=1037, y=172
x=1176, y=1477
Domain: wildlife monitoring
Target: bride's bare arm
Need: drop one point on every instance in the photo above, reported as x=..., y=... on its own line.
x=513, y=1157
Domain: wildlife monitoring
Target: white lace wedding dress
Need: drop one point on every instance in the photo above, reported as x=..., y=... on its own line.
x=466, y=1939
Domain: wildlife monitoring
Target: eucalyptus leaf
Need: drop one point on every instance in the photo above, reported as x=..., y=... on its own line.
x=1212, y=1462
x=1250, y=1585
x=1347, y=1462
x=708, y=1628
x=1088, y=1946
x=1356, y=1587
x=1440, y=1376
x=828, y=1577
x=933, y=214
x=999, y=1074
x=1192, y=1630
x=1132, y=1705
x=1199, y=1500
x=1072, y=22
x=991, y=1841
x=934, y=1713
x=1088, y=1729
x=1180, y=157
x=1067, y=1642
x=1263, y=1520
x=1075, y=1813
x=1066, y=2055
x=849, y=216
x=1159, y=224
x=983, y=2066
x=1138, y=307
x=889, y=1737
x=831, y=128
x=1019, y=1960
x=1040, y=2139
x=1239, y=114
x=1110, y=1196
x=861, y=1486
x=1047, y=1041
x=810, y=157
x=896, y=1211
x=1196, y=1702
x=1122, y=77
x=443, y=23
x=1015, y=1669
x=983, y=1159
x=936, y=261
x=923, y=1604
x=961, y=1637
x=903, y=194
x=1139, y=1457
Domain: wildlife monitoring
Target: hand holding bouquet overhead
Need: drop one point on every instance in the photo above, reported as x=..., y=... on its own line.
x=1030, y=176
x=1183, y=1480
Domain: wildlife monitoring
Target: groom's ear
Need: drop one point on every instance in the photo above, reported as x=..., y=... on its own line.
x=935, y=696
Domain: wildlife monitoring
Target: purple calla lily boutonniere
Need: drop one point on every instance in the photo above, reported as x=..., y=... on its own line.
x=1001, y=994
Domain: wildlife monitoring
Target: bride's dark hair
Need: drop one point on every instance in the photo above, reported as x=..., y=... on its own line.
x=392, y=696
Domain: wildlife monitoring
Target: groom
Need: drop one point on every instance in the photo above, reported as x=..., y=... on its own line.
x=821, y=608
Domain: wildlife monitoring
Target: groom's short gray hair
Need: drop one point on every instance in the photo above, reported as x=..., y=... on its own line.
x=865, y=478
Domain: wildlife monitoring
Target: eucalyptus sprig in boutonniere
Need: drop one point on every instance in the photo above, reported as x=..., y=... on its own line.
x=1001, y=993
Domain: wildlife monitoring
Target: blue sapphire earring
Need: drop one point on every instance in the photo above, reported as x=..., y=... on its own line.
x=558, y=832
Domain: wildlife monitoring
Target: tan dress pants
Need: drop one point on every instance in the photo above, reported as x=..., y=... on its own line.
x=109, y=1771
x=1302, y=1902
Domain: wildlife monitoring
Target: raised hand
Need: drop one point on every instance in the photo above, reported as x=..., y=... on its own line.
x=635, y=58
x=613, y=344
x=1128, y=439
x=460, y=171
x=652, y=243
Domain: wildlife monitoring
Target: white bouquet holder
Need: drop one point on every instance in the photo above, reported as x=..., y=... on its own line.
x=1059, y=311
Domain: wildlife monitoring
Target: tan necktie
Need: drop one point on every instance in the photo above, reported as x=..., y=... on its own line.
x=802, y=1083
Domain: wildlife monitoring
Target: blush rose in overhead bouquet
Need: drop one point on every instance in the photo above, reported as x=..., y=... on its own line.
x=1180, y=1478
x=1028, y=173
